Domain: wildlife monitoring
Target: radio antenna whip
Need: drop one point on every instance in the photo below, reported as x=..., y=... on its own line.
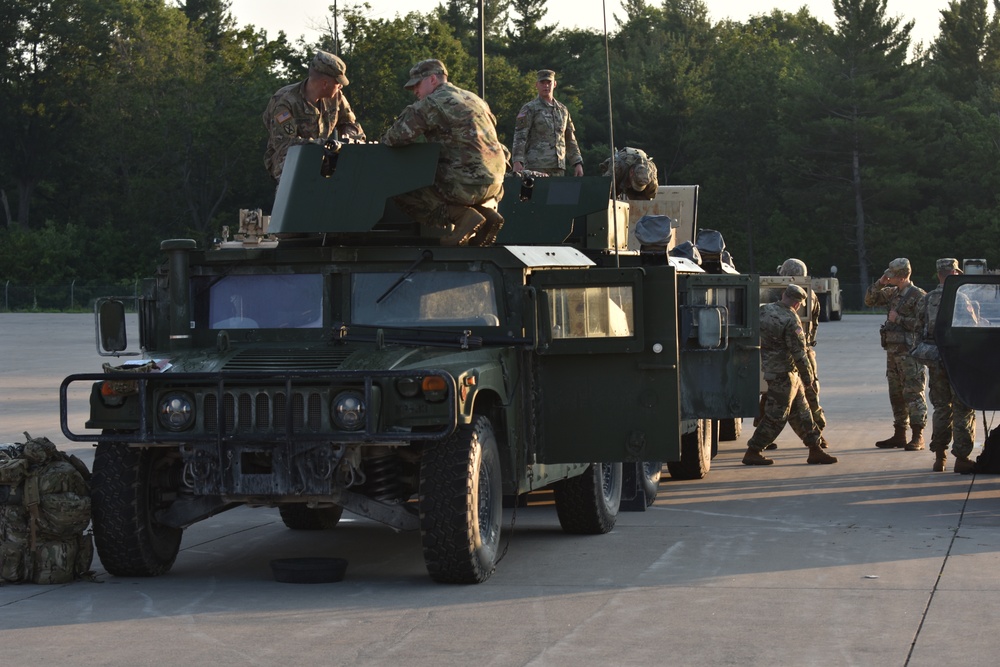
x=611, y=133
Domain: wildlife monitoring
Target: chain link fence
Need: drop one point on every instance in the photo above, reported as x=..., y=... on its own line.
x=69, y=297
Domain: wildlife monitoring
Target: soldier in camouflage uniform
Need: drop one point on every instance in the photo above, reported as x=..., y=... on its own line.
x=635, y=174
x=544, y=136
x=311, y=110
x=786, y=368
x=469, y=180
x=796, y=267
x=907, y=380
x=952, y=418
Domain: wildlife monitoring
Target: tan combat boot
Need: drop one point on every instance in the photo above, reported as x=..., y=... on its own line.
x=916, y=443
x=817, y=455
x=487, y=234
x=898, y=439
x=467, y=222
x=753, y=457
x=940, y=459
x=964, y=466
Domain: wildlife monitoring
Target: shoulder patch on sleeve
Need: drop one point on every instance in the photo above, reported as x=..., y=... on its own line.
x=283, y=116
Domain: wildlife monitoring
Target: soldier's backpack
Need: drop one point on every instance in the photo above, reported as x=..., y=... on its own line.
x=44, y=511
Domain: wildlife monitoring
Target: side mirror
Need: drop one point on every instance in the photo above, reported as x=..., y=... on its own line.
x=111, y=326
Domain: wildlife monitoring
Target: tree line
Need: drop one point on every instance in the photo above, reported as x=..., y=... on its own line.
x=124, y=122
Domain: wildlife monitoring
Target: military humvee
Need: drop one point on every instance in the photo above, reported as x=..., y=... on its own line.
x=357, y=364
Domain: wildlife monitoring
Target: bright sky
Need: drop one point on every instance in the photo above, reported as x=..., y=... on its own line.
x=302, y=17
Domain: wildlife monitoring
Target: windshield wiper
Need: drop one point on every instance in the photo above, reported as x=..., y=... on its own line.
x=424, y=256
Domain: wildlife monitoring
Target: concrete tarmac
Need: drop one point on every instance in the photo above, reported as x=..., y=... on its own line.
x=872, y=561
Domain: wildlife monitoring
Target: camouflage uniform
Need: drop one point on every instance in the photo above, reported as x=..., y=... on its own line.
x=811, y=393
x=545, y=139
x=906, y=377
x=290, y=118
x=952, y=418
x=635, y=174
x=472, y=162
x=783, y=359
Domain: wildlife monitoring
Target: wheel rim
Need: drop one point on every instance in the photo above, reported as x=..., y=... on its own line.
x=607, y=481
x=485, y=503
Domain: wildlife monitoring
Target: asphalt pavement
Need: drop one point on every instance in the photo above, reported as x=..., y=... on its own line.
x=872, y=561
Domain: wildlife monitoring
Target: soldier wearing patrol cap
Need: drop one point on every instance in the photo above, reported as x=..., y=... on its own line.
x=952, y=418
x=469, y=181
x=544, y=136
x=309, y=110
x=786, y=369
x=906, y=377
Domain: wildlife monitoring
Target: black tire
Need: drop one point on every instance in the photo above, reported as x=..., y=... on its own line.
x=588, y=504
x=301, y=517
x=730, y=429
x=824, y=307
x=461, y=505
x=126, y=490
x=696, y=454
x=837, y=315
x=649, y=479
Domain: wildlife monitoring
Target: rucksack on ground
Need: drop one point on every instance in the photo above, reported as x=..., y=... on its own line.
x=44, y=513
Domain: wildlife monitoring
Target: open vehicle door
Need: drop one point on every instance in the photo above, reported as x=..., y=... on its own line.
x=967, y=332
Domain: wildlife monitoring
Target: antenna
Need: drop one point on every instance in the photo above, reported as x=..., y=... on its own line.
x=482, y=50
x=611, y=131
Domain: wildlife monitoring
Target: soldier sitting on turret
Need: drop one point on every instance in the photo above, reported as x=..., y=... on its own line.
x=469, y=180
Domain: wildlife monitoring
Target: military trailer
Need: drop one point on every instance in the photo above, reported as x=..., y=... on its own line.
x=356, y=364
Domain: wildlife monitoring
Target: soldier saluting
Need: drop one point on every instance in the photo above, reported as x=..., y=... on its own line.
x=544, y=136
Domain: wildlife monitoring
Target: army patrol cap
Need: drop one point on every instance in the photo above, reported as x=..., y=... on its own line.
x=795, y=292
x=793, y=267
x=424, y=69
x=330, y=65
x=946, y=264
x=546, y=75
x=898, y=268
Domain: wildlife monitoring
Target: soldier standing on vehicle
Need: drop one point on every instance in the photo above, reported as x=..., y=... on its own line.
x=786, y=367
x=906, y=377
x=544, y=136
x=952, y=418
x=309, y=110
x=469, y=181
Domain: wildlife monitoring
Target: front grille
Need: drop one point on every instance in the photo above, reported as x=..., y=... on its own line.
x=264, y=411
x=322, y=359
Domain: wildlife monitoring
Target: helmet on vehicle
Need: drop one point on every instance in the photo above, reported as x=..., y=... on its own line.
x=793, y=267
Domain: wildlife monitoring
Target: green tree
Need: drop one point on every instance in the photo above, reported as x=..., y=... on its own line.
x=961, y=53
x=51, y=53
x=856, y=185
x=735, y=136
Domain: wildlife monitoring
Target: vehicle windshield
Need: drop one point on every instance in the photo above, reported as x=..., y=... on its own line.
x=424, y=299
x=273, y=301
x=977, y=305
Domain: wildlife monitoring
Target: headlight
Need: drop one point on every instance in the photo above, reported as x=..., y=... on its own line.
x=348, y=410
x=176, y=411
